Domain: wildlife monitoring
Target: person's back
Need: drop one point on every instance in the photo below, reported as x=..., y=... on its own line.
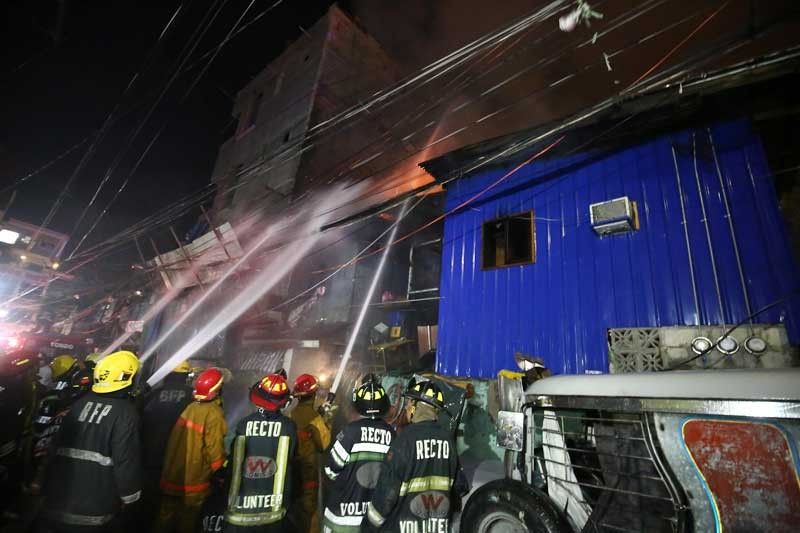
x=189, y=460
x=355, y=460
x=162, y=407
x=415, y=488
x=194, y=452
x=96, y=465
x=313, y=437
x=261, y=464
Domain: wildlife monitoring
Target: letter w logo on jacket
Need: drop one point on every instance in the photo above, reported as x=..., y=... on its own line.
x=258, y=467
x=431, y=502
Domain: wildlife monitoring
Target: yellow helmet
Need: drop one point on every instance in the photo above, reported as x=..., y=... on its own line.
x=60, y=365
x=115, y=372
x=93, y=357
x=183, y=368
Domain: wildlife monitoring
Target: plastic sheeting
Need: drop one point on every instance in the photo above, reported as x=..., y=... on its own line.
x=561, y=307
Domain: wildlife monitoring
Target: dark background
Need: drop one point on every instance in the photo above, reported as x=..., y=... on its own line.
x=65, y=64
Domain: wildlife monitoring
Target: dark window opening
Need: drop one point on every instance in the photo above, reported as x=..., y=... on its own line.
x=509, y=241
x=252, y=116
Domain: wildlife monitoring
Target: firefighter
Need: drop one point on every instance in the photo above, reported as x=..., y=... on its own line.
x=261, y=469
x=415, y=490
x=314, y=437
x=162, y=407
x=68, y=389
x=355, y=459
x=95, y=471
x=17, y=403
x=194, y=452
x=90, y=361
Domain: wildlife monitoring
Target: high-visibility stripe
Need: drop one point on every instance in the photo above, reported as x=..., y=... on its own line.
x=310, y=484
x=331, y=474
x=343, y=520
x=131, y=497
x=168, y=485
x=375, y=518
x=370, y=447
x=280, y=474
x=189, y=424
x=216, y=465
x=336, y=459
x=339, y=450
x=422, y=484
x=85, y=455
x=367, y=456
x=79, y=519
x=254, y=519
x=236, y=475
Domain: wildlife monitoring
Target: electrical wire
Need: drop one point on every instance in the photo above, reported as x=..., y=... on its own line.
x=29, y=175
x=109, y=120
x=191, y=44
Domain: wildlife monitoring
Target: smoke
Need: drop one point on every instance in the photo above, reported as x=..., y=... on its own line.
x=305, y=224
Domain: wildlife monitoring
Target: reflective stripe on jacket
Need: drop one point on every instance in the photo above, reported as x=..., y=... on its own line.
x=353, y=464
x=96, y=466
x=414, y=491
x=261, y=469
x=195, y=450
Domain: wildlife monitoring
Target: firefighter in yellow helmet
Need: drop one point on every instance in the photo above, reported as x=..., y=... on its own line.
x=62, y=364
x=195, y=451
x=95, y=470
x=90, y=361
x=314, y=437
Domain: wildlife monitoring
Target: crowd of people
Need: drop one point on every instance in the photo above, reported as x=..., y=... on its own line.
x=104, y=457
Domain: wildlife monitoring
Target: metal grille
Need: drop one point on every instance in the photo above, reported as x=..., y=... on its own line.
x=635, y=350
x=609, y=469
x=610, y=210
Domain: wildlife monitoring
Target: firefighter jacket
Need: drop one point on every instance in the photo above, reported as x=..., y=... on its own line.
x=97, y=461
x=353, y=465
x=314, y=437
x=162, y=407
x=261, y=470
x=195, y=450
x=414, y=491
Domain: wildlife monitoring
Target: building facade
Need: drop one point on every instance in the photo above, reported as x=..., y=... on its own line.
x=633, y=254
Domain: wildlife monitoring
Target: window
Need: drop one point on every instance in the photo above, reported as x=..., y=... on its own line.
x=509, y=241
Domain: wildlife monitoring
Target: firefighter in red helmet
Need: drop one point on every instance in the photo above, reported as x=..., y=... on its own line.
x=314, y=437
x=260, y=468
x=195, y=451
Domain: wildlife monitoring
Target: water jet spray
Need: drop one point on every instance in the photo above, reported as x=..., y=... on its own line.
x=363, y=312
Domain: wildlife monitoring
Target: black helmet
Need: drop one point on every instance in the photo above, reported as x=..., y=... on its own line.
x=427, y=392
x=371, y=400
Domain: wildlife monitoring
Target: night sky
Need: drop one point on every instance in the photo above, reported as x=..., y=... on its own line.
x=57, y=93
x=57, y=87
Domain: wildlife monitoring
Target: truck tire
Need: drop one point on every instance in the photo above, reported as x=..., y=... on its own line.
x=506, y=506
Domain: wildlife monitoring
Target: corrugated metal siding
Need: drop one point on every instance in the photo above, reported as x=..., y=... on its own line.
x=561, y=307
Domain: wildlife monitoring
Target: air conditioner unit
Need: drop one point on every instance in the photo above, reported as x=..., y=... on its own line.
x=612, y=216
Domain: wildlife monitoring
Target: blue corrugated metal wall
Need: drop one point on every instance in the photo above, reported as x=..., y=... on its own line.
x=561, y=307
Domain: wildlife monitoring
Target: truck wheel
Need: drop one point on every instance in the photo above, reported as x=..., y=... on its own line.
x=506, y=506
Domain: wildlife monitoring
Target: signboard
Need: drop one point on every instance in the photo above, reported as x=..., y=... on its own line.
x=209, y=254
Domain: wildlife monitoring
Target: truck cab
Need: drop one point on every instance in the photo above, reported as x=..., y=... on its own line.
x=664, y=451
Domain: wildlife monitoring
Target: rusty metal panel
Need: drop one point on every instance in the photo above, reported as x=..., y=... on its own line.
x=749, y=473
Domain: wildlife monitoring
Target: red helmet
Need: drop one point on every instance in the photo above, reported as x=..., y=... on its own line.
x=305, y=385
x=271, y=393
x=208, y=384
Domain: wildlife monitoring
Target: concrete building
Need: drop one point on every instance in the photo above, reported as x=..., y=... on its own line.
x=266, y=162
